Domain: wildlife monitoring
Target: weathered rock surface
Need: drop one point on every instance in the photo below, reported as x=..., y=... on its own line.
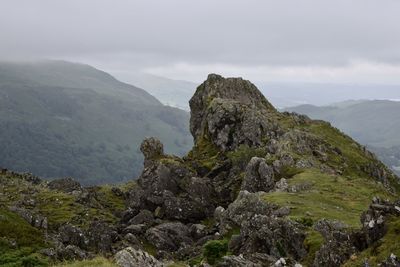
x=130, y=257
x=232, y=111
x=169, y=236
x=258, y=176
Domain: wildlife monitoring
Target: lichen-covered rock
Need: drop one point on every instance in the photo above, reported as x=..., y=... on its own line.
x=231, y=111
x=101, y=236
x=130, y=257
x=258, y=176
x=276, y=237
x=72, y=235
x=169, y=236
x=152, y=148
x=244, y=208
x=338, y=246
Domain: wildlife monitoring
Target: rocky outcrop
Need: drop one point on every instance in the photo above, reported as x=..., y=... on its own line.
x=210, y=207
x=231, y=112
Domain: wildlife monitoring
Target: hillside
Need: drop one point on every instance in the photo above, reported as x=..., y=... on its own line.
x=259, y=188
x=63, y=119
x=375, y=124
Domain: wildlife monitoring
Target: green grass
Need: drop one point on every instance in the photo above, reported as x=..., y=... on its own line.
x=96, y=262
x=382, y=249
x=58, y=207
x=19, y=242
x=313, y=243
x=330, y=197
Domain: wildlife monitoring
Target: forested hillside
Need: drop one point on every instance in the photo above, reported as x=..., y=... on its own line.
x=62, y=119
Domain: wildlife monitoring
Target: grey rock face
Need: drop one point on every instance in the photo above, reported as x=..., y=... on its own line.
x=101, y=236
x=244, y=208
x=169, y=236
x=145, y=217
x=72, y=235
x=130, y=257
x=338, y=246
x=276, y=237
x=258, y=177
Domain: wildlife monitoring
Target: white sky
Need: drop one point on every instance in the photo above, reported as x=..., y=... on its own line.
x=355, y=41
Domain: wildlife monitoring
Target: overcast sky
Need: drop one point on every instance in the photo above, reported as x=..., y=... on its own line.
x=356, y=41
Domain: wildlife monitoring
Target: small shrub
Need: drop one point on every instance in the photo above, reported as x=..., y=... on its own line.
x=214, y=250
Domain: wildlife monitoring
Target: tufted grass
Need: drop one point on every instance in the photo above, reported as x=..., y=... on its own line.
x=330, y=197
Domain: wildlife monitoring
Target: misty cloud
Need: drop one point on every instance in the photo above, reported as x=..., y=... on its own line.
x=243, y=35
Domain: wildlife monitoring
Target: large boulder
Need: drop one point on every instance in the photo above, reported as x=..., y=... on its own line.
x=246, y=206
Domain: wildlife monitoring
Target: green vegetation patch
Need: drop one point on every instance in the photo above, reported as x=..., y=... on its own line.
x=58, y=207
x=214, y=250
x=313, y=243
x=382, y=249
x=330, y=197
x=19, y=242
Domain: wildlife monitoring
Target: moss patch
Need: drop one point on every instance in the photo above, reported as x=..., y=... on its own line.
x=214, y=250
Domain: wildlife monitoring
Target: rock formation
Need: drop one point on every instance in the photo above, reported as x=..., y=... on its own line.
x=225, y=203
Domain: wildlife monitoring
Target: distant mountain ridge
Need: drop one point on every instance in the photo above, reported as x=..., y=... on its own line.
x=375, y=124
x=66, y=119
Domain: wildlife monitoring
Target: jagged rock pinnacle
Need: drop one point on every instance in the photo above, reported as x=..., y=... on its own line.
x=229, y=111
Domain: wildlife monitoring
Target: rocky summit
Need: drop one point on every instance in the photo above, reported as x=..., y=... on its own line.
x=259, y=188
